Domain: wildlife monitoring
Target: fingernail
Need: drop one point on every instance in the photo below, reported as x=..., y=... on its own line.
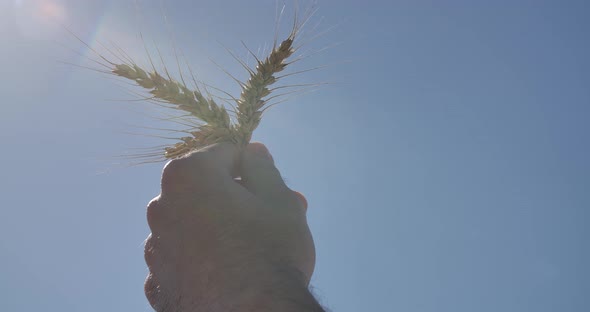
x=302, y=199
x=260, y=150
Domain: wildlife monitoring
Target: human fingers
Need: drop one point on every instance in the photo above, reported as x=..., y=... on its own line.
x=154, y=292
x=260, y=176
x=206, y=169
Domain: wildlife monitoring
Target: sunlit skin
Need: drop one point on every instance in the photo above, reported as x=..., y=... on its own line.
x=221, y=244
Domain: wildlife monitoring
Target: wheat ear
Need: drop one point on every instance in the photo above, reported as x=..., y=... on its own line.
x=216, y=124
x=217, y=127
x=255, y=90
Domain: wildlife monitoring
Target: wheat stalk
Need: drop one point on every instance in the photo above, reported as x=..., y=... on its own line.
x=207, y=121
x=255, y=90
x=216, y=125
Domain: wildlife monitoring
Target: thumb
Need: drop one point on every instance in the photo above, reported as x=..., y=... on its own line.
x=259, y=174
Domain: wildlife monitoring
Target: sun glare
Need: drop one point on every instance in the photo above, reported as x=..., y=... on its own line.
x=50, y=10
x=39, y=18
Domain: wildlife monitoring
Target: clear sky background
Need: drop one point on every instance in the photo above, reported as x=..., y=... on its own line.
x=446, y=167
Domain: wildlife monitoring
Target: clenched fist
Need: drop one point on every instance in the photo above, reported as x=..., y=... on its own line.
x=228, y=235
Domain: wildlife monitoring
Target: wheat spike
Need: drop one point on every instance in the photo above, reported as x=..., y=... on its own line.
x=217, y=125
x=255, y=90
x=207, y=121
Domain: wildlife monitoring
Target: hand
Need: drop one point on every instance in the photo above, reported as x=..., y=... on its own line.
x=222, y=244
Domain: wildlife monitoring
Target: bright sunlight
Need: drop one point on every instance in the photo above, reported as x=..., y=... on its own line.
x=39, y=18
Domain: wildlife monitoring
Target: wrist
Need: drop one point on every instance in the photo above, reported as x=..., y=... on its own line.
x=286, y=292
x=269, y=289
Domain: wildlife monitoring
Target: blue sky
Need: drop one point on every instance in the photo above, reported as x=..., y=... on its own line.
x=446, y=166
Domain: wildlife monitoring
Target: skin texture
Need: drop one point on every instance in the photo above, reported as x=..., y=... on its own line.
x=224, y=244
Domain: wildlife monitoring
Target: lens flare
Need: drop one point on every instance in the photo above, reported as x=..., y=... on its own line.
x=50, y=10
x=39, y=19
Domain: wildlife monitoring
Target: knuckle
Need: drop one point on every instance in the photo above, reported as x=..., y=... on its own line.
x=274, y=172
x=183, y=174
x=284, y=197
x=288, y=199
x=154, y=213
x=153, y=291
x=292, y=199
x=174, y=175
x=149, y=251
x=158, y=296
x=301, y=200
x=163, y=215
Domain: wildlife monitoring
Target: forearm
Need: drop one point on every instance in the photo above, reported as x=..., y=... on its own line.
x=298, y=301
x=289, y=297
x=283, y=290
